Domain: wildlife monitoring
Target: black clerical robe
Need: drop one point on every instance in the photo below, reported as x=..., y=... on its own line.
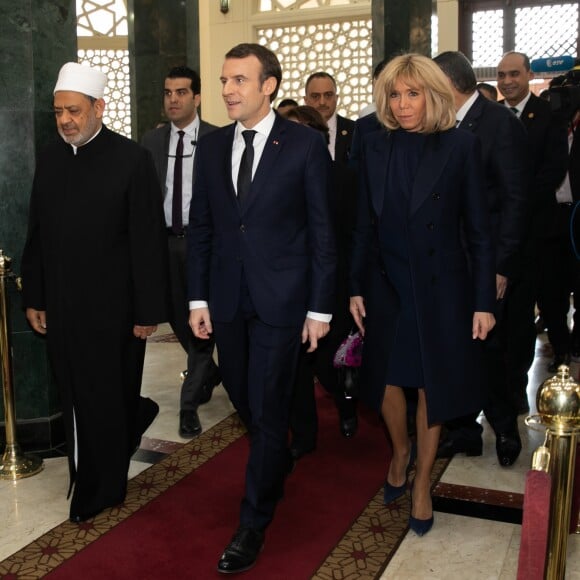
x=95, y=261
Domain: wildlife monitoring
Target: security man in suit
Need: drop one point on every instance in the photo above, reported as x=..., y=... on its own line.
x=321, y=94
x=547, y=144
x=261, y=267
x=173, y=147
x=503, y=143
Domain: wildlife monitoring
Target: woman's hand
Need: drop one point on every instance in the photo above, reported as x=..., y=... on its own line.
x=483, y=322
x=357, y=309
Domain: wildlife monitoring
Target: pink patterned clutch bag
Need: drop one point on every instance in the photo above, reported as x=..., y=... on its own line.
x=349, y=353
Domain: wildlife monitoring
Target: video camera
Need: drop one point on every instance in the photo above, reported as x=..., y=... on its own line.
x=565, y=93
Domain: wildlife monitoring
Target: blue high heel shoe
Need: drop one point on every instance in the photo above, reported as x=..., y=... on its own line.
x=420, y=527
x=393, y=492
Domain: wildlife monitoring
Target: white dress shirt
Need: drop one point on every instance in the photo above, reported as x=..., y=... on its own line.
x=189, y=146
x=332, y=135
x=520, y=106
x=464, y=109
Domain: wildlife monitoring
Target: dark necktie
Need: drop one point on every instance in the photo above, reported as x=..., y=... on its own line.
x=246, y=164
x=176, y=209
x=515, y=111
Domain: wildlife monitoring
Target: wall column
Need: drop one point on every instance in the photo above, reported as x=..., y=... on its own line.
x=36, y=39
x=162, y=34
x=401, y=26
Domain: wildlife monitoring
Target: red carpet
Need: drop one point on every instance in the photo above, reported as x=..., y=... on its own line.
x=182, y=533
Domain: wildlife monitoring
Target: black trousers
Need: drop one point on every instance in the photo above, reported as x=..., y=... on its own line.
x=201, y=367
x=258, y=364
x=304, y=418
x=558, y=279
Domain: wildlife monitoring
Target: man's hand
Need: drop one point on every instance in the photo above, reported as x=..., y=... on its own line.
x=200, y=322
x=357, y=309
x=483, y=322
x=500, y=286
x=312, y=331
x=144, y=331
x=37, y=320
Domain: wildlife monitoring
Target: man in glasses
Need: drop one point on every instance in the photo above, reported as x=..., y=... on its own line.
x=173, y=147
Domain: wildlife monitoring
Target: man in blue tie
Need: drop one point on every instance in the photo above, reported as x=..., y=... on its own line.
x=261, y=265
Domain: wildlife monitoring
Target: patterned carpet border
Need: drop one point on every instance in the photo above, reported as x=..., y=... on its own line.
x=362, y=553
x=66, y=540
x=365, y=550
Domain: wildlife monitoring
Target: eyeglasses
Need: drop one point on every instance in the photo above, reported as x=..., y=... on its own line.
x=186, y=155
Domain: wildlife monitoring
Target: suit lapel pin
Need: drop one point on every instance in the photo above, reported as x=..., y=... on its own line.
x=530, y=115
x=344, y=132
x=276, y=142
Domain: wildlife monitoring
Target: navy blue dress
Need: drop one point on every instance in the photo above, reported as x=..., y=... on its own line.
x=405, y=368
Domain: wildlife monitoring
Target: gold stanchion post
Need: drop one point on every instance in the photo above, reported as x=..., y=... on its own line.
x=13, y=465
x=558, y=403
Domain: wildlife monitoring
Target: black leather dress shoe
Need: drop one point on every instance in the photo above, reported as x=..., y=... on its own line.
x=508, y=446
x=349, y=426
x=241, y=553
x=449, y=446
x=189, y=425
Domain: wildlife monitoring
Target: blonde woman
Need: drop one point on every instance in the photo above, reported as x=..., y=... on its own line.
x=422, y=273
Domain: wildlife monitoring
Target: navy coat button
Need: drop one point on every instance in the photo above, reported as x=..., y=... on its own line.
x=242, y=228
x=430, y=226
x=436, y=197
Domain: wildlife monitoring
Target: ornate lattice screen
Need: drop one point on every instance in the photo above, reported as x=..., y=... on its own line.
x=343, y=49
x=103, y=43
x=487, y=37
x=540, y=30
x=544, y=31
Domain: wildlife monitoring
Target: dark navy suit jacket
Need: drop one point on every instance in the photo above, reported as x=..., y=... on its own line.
x=281, y=238
x=503, y=148
x=547, y=148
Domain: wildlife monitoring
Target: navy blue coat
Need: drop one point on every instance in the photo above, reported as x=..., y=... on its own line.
x=449, y=284
x=281, y=237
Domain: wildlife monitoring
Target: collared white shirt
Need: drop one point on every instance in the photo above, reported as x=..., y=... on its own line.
x=520, y=106
x=263, y=129
x=332, y=135
x=189, y=146
x=464, y=109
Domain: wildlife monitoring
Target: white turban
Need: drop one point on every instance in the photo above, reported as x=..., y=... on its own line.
x=81, y=79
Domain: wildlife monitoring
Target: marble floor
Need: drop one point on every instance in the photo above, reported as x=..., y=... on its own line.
x=458, y=547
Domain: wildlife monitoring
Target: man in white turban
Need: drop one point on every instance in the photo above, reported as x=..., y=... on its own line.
x=94, y=271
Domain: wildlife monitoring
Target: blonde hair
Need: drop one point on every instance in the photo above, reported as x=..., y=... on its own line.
x=420, y=72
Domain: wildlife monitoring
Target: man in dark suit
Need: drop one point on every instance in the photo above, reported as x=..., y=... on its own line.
x=261, y=266
x=503, y=143
x=321, y=94
x=547, y=156
x=173, y=147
